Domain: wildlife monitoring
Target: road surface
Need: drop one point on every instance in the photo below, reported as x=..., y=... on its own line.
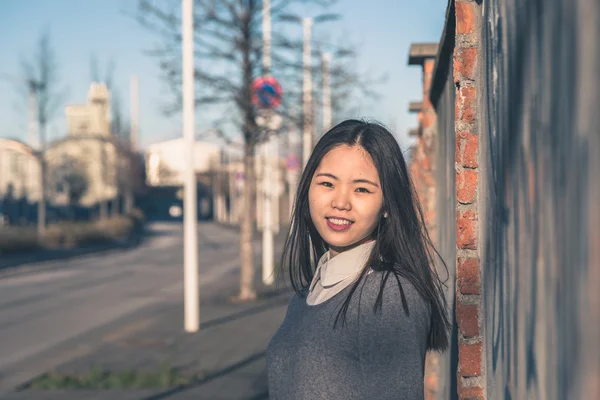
x=43, y=310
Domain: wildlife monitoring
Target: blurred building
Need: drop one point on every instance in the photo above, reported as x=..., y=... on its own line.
x=89, y=153
x=165, y=163
x=92, y=118
x=165, y=167
x=89, y=168
x=19, y=181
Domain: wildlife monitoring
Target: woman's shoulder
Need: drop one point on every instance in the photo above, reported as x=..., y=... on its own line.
x=393, y=288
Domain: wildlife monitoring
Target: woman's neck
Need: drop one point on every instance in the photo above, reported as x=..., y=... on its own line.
x=334, y=250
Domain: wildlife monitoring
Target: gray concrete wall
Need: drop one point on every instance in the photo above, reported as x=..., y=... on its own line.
x=539, y=116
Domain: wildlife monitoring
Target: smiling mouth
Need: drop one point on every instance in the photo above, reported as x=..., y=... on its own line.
x=339, y=224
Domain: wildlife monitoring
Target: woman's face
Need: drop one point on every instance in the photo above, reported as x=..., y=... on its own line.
x=345, y=198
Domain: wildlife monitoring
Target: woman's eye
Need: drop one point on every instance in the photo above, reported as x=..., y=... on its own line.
x=363, y=190
x=326, y=184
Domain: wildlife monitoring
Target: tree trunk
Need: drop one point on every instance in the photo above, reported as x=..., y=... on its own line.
x=247, y=292
x=41, y=206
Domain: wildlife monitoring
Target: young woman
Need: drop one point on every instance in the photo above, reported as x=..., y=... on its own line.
x=368, y=302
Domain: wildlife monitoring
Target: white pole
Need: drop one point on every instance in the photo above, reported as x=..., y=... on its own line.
x=135, y=117
x=226, y=175
x=276, y=182
x=33, y=131
x=220, y=200
x=267, y=239
x=268, y=276
x=292, y=175
x=326, y=60
x=190, y=234
x=267, y=36
x=133, y=139
x=307, y=92
x=41, y=146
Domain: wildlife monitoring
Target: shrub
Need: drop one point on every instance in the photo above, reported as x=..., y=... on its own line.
x=71, y=234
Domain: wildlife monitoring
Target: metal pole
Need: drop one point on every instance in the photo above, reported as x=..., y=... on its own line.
x=34, y=133
x=307, y=92
x=220, y=173
x=292, y=175
x=135, y=117
x=267, y=255
x=133, y=141
x=190, y=220
x=326, y=60
x=267, y=233
x=275, y=185
x=232, y=190
x=266, y=37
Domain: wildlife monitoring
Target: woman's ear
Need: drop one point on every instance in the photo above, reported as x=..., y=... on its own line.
x=385, y=214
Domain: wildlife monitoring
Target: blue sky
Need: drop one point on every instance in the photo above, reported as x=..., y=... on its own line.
x=383, y=30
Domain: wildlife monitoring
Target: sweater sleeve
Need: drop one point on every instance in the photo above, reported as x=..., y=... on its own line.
x=392, y=344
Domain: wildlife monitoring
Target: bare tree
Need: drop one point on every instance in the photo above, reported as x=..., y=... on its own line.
x=41, y=71
x=43, y=84
x=228, y=39
x=69, y=179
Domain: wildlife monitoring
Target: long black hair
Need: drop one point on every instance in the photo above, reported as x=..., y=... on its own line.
x=403, y=247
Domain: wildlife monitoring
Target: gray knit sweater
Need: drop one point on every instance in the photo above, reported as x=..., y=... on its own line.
x=374, y=356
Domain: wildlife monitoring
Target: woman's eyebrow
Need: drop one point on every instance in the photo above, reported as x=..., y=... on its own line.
x=328, y=175
x=366, y=181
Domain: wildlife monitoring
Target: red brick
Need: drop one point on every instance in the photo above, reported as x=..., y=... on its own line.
x=466, y=104
x=466, y=186
x=426, y=83
x=430, y=218
x=427, y=119
x=470, y=393
x=425, y=163
x=470, y=143
x=428, y=179
x=427, y=106
x=466, y=230
x=415, y=172
x=467, y=277
x=467, y=317
x=428, y=66
x=469, y=359
x=465, y=17
x=465, y=63
x=456, y=106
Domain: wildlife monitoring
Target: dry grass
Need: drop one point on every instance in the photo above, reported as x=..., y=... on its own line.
x=69, y=234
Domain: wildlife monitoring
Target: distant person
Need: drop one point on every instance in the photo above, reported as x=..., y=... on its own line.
x=368, y=303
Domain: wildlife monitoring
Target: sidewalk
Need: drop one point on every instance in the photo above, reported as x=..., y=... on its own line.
x=228, y=353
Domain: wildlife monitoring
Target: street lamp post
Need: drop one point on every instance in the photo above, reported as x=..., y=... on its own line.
x=307, y=87
x=190, y=259
x=307, y=107
x=326, y=64
x=267, y=232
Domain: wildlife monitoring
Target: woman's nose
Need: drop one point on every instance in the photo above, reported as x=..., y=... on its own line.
x=341, y=200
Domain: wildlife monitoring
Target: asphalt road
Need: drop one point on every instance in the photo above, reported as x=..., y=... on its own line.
x=55, y=302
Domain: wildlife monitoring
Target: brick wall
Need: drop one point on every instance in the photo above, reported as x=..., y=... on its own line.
x=516, y=93
x=471, y=384
x=422, y=169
